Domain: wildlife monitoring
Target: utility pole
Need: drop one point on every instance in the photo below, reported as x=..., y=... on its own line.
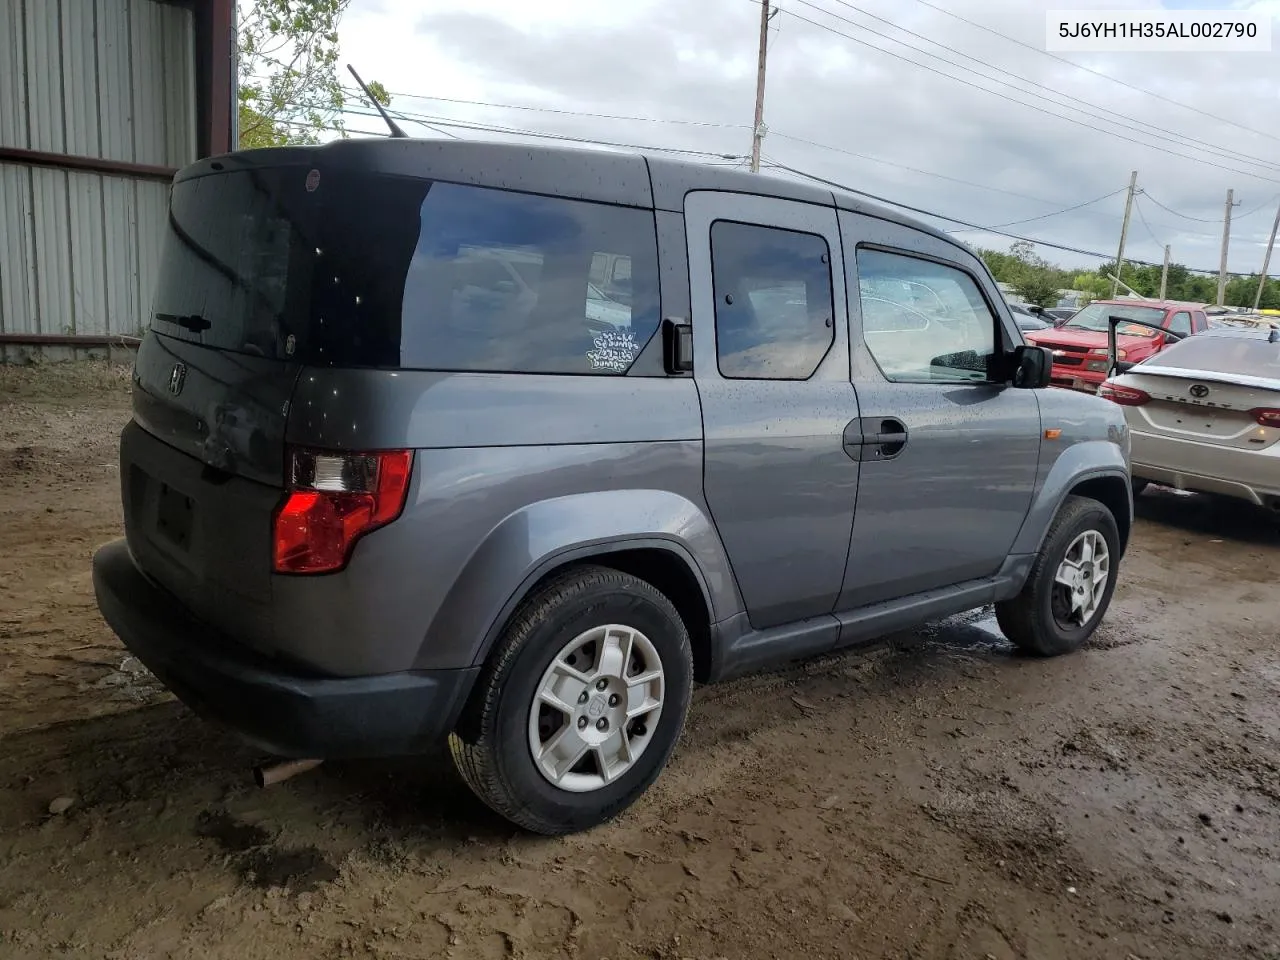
x=1266, y=262
x=1164, y=274
x=1226, y=242
x=1124, y=233
x=757, y=129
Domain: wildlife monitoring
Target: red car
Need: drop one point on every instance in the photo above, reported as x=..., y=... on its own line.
x=1080, y=345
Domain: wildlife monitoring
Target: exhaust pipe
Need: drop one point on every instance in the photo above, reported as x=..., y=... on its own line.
x=266, y=775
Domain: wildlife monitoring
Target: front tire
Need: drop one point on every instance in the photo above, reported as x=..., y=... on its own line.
x=581, y=705
x=1071, y=582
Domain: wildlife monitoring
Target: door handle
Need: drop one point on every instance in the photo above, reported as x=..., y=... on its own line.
x=875, y=438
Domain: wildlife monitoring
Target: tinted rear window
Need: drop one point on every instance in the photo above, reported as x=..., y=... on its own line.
x=354, y=270
x=1252, y=356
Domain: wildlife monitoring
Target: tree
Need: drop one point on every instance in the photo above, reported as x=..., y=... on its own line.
x=1092, y=286
x=1039, y=287
x=1032, y=277
x=289, y=89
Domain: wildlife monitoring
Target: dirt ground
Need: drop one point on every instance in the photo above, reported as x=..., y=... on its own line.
x=941, y=797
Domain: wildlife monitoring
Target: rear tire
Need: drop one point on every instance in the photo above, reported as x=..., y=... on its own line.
x=1051, y=617
x=555, y=737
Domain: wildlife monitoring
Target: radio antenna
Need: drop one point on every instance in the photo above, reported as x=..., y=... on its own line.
x=395, y=129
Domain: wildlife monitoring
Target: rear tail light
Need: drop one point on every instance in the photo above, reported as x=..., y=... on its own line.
x=333, y=500
x=1125, y=396
x=1266, y=416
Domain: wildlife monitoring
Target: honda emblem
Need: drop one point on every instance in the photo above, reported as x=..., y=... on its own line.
x=177, y=377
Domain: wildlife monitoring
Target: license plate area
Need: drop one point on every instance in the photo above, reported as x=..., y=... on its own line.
x=175, y=513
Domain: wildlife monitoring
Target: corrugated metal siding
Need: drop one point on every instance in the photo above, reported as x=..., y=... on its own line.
x=99, y=78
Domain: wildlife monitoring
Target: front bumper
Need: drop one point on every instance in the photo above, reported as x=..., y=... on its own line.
x=280, y=710
x=1075, y=377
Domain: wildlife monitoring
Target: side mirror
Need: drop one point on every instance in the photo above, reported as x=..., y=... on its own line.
x=1032, y=367
x=677, y=345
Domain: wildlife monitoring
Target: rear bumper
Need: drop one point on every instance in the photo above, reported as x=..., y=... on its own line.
x=1252, y=475
x=284, y=712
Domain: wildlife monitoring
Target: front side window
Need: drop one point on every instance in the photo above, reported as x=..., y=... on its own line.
x=924, y=321
x=774, y=307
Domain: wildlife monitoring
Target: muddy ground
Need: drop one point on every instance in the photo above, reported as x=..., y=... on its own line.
x=942, y=797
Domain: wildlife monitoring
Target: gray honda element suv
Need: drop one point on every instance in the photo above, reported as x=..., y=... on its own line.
x=511, y=446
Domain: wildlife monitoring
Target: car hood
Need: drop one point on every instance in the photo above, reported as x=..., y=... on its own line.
x=1088, y=339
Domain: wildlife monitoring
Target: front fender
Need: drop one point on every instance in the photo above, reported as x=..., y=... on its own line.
x=1082, y=461
x=536, y=539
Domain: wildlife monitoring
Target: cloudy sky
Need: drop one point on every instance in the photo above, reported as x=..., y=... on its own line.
x=844, y=103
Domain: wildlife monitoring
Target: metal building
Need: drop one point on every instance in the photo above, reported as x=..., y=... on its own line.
x=100, y=102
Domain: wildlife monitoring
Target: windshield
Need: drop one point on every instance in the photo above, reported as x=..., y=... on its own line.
x=1094, y=317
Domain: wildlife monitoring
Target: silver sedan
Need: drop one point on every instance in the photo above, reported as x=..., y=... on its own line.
x=1204, y=415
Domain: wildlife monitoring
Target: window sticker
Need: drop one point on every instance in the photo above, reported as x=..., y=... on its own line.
x=614, y=350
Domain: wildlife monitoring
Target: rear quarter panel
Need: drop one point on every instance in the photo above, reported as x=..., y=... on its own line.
x=511, y=474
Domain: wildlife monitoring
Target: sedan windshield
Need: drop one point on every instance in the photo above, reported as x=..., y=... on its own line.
x=1094, y=317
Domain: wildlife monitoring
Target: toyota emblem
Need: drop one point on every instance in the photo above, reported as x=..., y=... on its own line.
x=1199, y=391
x=177, y=377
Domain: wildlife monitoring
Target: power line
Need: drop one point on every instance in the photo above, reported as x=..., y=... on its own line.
x=1038, y=108
x=966, y=223
x=1258, y=209
x=901, y=166
x=1096, y=73
x=1107, y=115
x=1137, y=205
x=515, y=131
x=1057, y=213
x=568, y=113
x=1184, y=216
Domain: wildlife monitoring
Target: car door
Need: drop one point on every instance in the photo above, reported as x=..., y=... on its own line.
x=943, y=495
x=771, y=362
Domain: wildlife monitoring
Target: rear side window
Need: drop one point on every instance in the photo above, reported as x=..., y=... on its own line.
x=774, y=311
x=350, y=269
x=508, y=282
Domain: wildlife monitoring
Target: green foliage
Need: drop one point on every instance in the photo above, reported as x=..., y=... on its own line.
x=1092, y=286
x=1038, y=281
x=1032, y=277
x=289, y=86
x=1194, y=288
x=1039, y=287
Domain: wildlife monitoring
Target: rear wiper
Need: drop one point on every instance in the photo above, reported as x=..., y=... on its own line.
x=193, y=321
